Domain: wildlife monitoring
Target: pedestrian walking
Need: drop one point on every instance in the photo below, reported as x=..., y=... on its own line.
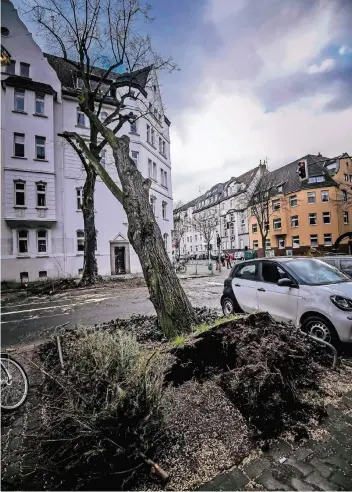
x=227, y=259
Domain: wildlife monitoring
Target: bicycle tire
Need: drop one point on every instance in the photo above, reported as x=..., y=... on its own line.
x=23, y=373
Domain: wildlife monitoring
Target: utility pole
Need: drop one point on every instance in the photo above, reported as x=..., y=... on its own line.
x=218, y=241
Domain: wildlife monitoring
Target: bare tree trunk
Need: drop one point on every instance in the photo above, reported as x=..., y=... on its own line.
x=90, y=268
x=263, y=245
x=174, y=311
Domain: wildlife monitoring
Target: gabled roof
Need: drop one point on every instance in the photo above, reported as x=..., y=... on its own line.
x=29, y=84
x=68, y=74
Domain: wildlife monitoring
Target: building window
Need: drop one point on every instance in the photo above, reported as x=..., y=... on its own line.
x=314, y=240
x=24, y=69
x=267, y=244
x=345, y=218
x=255, y=244
x=148, y=133
x=164, y=148
x=102, y=156
x=103, y=116
x=39, y=103
x=344, y=195
x=133, y=127
x=350, y=178
x=281, y=243
x=312, y=219
x=41, y=194
x=295, y=241
x=152, y=201
x=196, y=248
x=327, y=239
x=80, y=240
x=18, y=144
x=325, y=196
x=294, y=221
x=43, y=274
x=311, y=196
x=40, y=147
x=152, y=137
x=163, y=208
x=195, y=237
x=163, y=178
x=23, y=242
x=20, y=193
x=293, y=201
x=79, y=195
x=150, y=168
x=326, y=218
x=134, y=155
x=19, y=100
x=316, y=179
x=155, y=177
x=280, y=189
x=81, y=118
x=346, y=177
x=276, y=224
x=160, y=145
x=276, y=204
x=11, y=68
x=42, y=241
x=24, y=277
x=254, y=228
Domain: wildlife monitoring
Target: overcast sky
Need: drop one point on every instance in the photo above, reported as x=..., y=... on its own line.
x=258, y=78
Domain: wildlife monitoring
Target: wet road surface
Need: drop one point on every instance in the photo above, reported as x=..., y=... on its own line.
x=24, y=317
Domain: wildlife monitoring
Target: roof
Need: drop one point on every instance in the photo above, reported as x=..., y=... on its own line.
x=68, y=74
x=288, y=176
x=29, y=84
x=218, y=191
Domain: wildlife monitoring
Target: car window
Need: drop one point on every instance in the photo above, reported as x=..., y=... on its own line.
x=247, y=271
x=315, y=272
x=272, y=272
x=346, y=266
x=330, y=261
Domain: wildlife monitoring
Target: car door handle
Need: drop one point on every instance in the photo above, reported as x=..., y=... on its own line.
x=261, y=289
x=237, y=285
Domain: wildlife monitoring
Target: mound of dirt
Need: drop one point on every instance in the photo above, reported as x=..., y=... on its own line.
x=264, y=368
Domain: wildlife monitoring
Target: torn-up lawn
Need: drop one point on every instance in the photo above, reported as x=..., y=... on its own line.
x=196, y=406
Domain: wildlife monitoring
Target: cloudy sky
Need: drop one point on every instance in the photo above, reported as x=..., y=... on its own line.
x=258, y=78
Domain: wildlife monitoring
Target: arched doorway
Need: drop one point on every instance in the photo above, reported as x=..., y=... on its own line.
x=341, y=238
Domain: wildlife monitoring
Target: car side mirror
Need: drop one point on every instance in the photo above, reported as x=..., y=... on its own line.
x=285, y=282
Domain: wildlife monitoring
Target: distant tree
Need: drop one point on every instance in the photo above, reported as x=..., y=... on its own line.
x=178, y=204
x=179, y=232
x=206, y=226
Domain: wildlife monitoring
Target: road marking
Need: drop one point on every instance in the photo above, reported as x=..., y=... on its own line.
x=60, y=306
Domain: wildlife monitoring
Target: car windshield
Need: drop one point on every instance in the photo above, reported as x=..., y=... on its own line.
x=315, y=272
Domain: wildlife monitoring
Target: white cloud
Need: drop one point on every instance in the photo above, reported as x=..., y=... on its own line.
x=325, y=66
x=344, y=50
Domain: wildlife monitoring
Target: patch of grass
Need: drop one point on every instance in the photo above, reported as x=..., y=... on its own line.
x=179, y=340
x=201, y=328
x=223, y=319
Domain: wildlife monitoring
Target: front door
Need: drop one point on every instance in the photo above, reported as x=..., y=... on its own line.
x=244, y=286
x=120, y=266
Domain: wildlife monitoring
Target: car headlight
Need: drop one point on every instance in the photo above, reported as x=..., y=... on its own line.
x=342, y=302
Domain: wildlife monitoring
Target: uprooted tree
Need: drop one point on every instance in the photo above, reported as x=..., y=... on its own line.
x=98, y=38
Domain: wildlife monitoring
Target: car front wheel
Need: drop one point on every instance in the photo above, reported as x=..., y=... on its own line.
x=228, y=306
x=320, y=327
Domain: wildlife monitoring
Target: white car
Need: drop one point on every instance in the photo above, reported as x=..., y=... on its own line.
x=308, y=292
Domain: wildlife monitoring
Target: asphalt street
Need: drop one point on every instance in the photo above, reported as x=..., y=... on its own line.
x=23, y=317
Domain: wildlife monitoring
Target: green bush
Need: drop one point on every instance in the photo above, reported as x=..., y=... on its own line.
x=102, y=412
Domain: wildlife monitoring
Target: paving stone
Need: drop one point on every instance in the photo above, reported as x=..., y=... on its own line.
x=14, y=444
x=316, y=479
x=269, y=482
x=324, y=470
x=11, y=470
x=18, y=422
x=234, y=480
x=336, y=448
x=302, y=453
x=304, y=468
x=341, y=479
x=256, y=466
x=17, y=431
x=298, y=484
x=339, y=463
x=279, y=449
x=347, y=400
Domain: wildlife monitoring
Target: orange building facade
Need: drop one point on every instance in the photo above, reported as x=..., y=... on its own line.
x=309, y=213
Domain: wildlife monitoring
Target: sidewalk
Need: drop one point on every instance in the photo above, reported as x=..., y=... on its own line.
x=201, y=269
x=324, y=463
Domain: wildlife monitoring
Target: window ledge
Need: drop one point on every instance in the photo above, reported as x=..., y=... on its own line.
x=18, y=157
x=40, y=115
x=80, y=254
x=20, y=206
x=19, y=112
x=24, y=255
x=43, y=255
x=41, y=160
x=41, y=208
x=82, y=126
x=134, y=133
x=80, y=210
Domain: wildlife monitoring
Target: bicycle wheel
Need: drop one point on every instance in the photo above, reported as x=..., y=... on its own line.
x=14, y=383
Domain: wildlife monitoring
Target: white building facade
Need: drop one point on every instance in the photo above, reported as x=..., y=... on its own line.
x=42, y=233
x=224, y=209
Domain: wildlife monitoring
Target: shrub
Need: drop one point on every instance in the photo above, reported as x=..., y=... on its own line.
x=102, y=412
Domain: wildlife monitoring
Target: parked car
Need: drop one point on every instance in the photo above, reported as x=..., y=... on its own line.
x=306, y=291
x=342, y=262
x=239, y=255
